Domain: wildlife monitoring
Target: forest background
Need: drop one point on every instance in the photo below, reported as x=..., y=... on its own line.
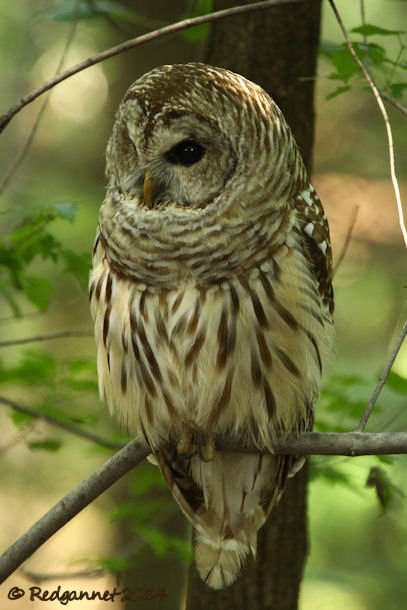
x=357, y=531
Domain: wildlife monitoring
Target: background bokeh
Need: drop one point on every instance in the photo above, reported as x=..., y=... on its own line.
x=358, y=551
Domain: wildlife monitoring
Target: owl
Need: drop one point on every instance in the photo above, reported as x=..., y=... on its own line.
x=211, y=296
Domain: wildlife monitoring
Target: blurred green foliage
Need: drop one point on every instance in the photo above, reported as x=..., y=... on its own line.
x=32, y=239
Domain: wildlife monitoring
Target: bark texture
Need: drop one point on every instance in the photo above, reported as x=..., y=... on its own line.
x=277, y=49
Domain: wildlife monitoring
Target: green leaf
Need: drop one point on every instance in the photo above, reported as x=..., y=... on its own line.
x=397, y=89
x=21, y=420
x=338, y=91
x=147, y=479
x=50, y=444
x=333, y=474
x=374, y=52
x=35, y=368
x=139, y=511
x=115, y=563
x=38, y=290
x=66, y=10
x=81, y=374
x=81, y=366
x=65, y=210
x=162, y=544
x=368, y=29
x=341, y=59
x=114, y=9
x=30, y=240
x=397, y=383
x=6, y=293
x=77, y=264
x=386, y=459
x=379, y=480
x=343, y=62
x=83, y=385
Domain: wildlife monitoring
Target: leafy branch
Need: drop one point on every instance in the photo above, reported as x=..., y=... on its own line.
x=369, y=79
x=30, y=240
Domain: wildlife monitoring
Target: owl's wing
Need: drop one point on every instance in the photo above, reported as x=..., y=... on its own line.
x=188, y=495
x=315, y=230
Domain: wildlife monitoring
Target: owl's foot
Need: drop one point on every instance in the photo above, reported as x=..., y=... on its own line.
x=192, y=442
x=186, y=445
x=206, y=447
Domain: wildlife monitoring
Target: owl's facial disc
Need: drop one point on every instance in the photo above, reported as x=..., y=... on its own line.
x=174, y=157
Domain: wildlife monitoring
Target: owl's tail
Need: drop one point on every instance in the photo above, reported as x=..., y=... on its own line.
x=219, y=562
x=227, y=500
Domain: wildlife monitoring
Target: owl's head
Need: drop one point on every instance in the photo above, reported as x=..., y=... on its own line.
x=186, y=135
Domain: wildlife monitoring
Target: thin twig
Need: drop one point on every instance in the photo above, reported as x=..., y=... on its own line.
x=396, y=348
x=24, y=151
x=59, y=423
x=363, y=18
x=347, y=239
x=37, y=338
x=35, y=314
x=383, y=110
x=134, y=42
x=394, y=102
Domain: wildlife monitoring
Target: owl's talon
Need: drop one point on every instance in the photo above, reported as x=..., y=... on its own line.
x=186, y=445
x=207, y=452
x=206, y=445
x=193, y=442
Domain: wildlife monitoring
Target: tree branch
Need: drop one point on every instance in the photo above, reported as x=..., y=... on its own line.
x=393, y=354
x=134, y=42
x=350, y=444
x=55, y=421
x=346, y=243
x=394, y=102
x=51, y=336
x=385, y=116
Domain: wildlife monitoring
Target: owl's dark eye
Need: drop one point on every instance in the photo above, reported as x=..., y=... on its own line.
x=186, y=153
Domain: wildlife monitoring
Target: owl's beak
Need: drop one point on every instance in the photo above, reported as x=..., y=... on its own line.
x=148, y=188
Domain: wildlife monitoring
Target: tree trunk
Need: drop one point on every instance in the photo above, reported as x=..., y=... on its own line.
x=277, y=49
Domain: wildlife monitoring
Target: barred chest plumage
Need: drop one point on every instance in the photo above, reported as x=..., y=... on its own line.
x=243, y=356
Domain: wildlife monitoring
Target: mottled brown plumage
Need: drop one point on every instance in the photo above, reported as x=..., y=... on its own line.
x=211, y=295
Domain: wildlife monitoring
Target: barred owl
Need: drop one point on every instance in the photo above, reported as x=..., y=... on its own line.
x=211, y=296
